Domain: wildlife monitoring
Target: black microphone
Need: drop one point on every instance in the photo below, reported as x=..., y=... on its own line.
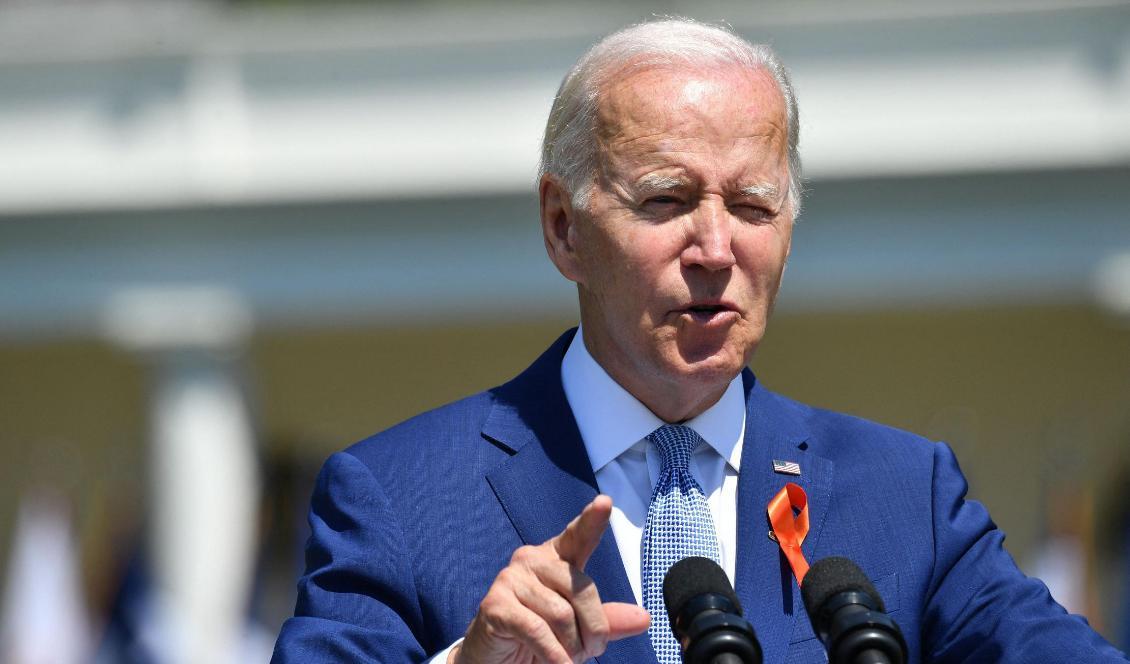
x=848, y=615
x=706, y=615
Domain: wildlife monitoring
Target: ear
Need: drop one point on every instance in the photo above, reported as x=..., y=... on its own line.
x=559, y=227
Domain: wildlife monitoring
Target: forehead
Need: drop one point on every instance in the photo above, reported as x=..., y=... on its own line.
x=663, y=112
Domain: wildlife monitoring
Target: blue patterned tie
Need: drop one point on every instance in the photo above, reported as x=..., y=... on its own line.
x=678, y=525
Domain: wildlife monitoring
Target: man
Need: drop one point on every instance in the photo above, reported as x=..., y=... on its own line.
x=475, y=533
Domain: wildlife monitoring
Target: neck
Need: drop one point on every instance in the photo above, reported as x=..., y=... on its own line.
x=675, y=411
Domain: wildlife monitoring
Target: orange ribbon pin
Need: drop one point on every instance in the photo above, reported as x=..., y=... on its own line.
x=788, y=515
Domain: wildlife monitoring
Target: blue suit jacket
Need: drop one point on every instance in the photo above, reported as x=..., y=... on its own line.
x=410, y=527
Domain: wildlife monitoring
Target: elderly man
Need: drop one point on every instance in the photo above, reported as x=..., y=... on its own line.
x=478, y=532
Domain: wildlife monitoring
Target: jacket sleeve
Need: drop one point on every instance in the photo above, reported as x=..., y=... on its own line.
x=979, y=606
x=357, y=598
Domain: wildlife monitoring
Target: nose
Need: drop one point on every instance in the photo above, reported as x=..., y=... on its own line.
x=710, y=237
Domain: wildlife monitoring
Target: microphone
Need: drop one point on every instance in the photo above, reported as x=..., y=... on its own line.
x=848, y=615
x=706, y=616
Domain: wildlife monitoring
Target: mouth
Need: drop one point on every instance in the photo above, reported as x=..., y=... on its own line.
x=710, y=314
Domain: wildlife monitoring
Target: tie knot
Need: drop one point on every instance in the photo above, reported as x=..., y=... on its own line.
x=675, y=443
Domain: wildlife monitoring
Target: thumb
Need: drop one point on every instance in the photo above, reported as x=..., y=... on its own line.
x=625, y=620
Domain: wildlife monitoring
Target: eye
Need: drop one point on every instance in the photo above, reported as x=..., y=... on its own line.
x=753, y=213
x=663, y=206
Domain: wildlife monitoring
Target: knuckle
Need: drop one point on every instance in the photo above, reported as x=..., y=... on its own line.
x=537, y=629
x=523, y=554
x=505, y=577
x=491, y=605
x=561, y=615
x=498, y=600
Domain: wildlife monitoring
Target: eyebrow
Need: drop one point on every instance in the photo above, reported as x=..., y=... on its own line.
x=653, y=182
x=658, y=183
x=764, y=190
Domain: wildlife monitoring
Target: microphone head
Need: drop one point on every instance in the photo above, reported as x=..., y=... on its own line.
x=848, y=614
x=832, y=576
x=691, y=577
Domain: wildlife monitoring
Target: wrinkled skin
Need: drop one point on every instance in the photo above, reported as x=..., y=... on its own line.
x=679, y=252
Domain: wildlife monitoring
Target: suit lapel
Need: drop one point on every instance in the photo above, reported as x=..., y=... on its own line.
x=764, y=581
x=548, y=480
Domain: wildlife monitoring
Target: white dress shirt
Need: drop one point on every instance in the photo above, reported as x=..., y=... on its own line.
x=614, y=426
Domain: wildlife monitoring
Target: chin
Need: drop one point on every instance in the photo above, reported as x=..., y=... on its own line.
x=710, y=366
x=717, y=353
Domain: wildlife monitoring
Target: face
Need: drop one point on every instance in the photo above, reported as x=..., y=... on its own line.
x=679, y=251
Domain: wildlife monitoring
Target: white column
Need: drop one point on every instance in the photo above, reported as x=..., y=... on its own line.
x=203, y=512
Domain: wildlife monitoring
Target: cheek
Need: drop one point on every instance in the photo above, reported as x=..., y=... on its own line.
x=628, y=258
x=651, y=264
x=763, y=253
x=635, y=284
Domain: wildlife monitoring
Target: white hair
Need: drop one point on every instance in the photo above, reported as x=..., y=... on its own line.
x=569, y=149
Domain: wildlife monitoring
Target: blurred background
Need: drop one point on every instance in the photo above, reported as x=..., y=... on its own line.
x=235, y=237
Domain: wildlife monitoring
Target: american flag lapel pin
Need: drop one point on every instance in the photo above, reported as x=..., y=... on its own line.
x=786, y=467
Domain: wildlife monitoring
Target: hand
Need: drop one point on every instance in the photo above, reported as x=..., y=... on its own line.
x=543, y=608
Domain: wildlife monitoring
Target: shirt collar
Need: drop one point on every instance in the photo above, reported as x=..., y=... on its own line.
x=611, y=420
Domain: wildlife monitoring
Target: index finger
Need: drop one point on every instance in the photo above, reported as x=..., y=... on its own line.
x=576, y=543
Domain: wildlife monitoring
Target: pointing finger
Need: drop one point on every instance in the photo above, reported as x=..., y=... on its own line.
x=576, y=543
